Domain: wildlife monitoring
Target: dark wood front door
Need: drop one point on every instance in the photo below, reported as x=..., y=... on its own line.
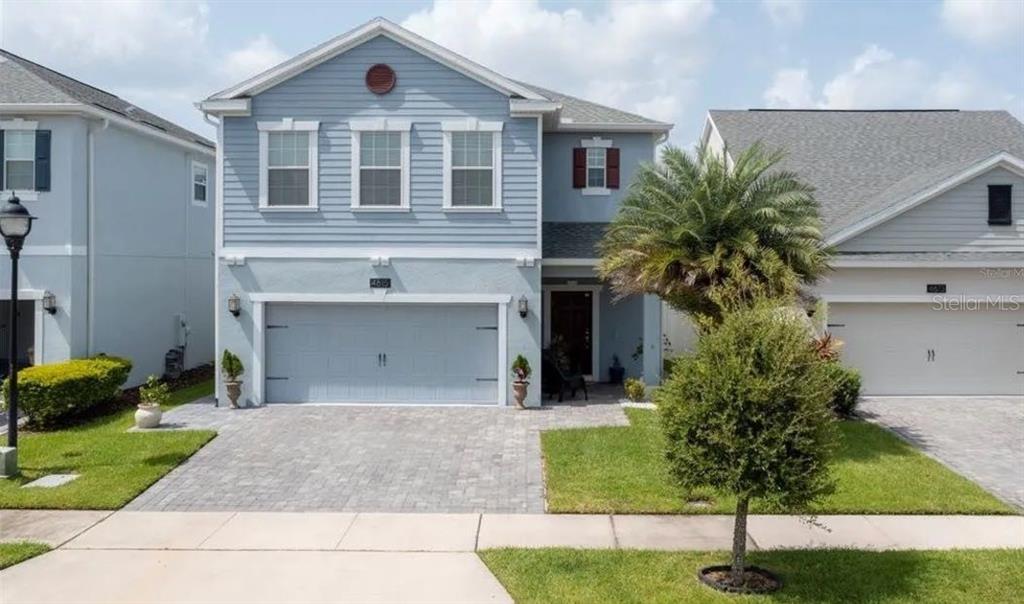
x=572, y=319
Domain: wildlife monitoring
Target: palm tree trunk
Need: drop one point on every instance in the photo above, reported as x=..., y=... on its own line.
x=739, y=541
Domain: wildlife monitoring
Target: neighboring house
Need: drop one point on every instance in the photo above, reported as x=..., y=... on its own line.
x=119, y=260
x=396, y=223
x=926, y=212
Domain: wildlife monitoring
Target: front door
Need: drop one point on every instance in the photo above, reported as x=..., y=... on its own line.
x=572, y=320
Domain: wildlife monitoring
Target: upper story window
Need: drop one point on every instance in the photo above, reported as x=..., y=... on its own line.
x=200, y=175
x=595, y=166
x=1000, y=204
x=472, y=165
x=25, y=168
x=288, y=165
x=380, y=164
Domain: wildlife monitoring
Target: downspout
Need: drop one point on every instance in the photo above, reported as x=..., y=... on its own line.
x=218, y=188
x=90, y=237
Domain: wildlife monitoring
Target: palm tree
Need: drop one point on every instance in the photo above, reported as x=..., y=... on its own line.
x=697, y=231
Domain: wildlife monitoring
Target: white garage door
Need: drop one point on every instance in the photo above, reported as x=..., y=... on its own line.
x=426, y=354
x=912, y=349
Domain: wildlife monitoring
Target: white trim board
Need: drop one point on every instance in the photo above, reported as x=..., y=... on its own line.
x=1001, y=160
x=911, y=298
x=860, y=263
x=595, y=320
x=433, y=253
x=570, y=261
x=384, y=297
x=364, y=33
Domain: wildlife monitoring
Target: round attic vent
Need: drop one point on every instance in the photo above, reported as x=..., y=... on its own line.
x=380, y=79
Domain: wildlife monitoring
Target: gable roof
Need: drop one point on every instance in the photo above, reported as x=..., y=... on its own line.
x=868, y=166
x=23, y=82
x=573, y=113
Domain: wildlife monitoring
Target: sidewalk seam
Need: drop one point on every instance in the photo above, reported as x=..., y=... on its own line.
x=79, y=533
x=615, y=532
x=337, y=546
x=476, y=538
x=216, y=530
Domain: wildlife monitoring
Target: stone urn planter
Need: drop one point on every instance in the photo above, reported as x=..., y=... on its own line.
x=519, y=391
x=233, y=390
x=147, y=416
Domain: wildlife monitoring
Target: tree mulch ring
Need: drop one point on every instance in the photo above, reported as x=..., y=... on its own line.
x=755, y=580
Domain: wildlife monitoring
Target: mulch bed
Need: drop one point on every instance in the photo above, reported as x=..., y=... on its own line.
x=755, y=580
x=130, y=396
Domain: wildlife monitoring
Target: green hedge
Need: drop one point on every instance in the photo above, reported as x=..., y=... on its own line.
x=847, y=389
x=54, y=393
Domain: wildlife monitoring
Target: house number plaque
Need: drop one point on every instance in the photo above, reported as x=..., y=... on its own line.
x=936, y=288
x=380, y=283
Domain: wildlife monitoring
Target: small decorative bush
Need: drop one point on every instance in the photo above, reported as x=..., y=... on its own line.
x=846, y=381
x=231, y=366
x=635, y=389
x=521, y=368
x=52, y=394
x=154, y=392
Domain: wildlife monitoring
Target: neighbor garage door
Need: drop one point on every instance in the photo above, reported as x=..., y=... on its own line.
x=912, y=349
x=396, y=353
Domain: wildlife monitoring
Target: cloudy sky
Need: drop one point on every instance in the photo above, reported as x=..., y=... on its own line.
x=668, y=60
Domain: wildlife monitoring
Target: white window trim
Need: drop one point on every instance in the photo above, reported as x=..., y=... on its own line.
x=597, y=143
x=192, y=184
x=289, y=125
x=471, y=125
x=23, y=194
x=356, y=128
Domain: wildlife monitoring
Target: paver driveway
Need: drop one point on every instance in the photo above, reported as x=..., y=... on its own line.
x=367, y=459
x=979, y=437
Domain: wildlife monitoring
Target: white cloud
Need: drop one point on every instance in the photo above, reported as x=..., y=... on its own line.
x=877, y=79
x=984, y=22
x=155, y=53
x=637, y=56
x=784, y=13
x=791, y=89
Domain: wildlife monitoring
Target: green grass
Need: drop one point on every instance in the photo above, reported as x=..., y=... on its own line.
x=826, y=577
x=13, y=553
x=115, y=465
x=622, y=470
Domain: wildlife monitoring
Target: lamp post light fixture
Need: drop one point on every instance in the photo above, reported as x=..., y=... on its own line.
x=15, y=225
x=524, y=306
x=234, y=305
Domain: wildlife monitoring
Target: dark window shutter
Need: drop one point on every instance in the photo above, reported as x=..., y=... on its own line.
x=2, y=162
x=42, y=160
x=1000, y=204
x=579, y=168
x=612, y=160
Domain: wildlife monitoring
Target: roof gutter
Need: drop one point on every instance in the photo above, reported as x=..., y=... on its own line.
x=102, y=114
x=564, y=126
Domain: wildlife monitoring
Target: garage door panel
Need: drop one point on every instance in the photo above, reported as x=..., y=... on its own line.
x=384, y=353
x=913, y=349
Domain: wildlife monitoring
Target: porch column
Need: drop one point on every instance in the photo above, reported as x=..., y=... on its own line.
x=652, y=340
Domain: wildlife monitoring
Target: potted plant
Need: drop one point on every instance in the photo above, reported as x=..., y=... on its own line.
x=231, y=367
x=616, y=372
x=521, y=372
x=151, y=396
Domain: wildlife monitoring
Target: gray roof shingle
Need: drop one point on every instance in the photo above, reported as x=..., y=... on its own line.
x=22, y=81
x=572, y=239
x=580, y=111
x=861, y=162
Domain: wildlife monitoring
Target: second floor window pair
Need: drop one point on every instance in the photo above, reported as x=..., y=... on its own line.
x=380, y=172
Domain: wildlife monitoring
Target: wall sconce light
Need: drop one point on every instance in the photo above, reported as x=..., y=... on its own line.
x=50, y=303
x=234, y=305
x=524, y=306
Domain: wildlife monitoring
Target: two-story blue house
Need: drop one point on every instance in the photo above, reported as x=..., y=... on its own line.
x=120, y=260
x=396, y=223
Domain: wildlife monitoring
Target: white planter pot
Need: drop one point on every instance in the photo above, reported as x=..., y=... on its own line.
x=148, y=416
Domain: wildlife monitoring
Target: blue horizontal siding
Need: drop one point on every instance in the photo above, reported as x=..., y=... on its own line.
x=334, y=93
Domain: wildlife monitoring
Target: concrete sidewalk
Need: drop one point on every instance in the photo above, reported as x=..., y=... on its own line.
x=256, y=557
x=363, y=532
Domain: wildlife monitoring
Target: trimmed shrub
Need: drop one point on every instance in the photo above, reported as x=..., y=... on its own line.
x=635, y=389
x=231, y=366
x=154, y=392
x=846, y=381
x=521, y=370
x=54, y=393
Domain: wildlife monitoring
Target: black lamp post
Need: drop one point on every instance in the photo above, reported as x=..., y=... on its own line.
x=15, y=224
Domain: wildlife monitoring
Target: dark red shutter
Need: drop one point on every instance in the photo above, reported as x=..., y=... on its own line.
x=612, y=158
x=579, y=168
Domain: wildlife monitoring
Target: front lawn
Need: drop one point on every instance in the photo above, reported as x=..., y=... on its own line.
x=115, y=465
x=622, y=470
x=830, y=576
x=13, y=553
